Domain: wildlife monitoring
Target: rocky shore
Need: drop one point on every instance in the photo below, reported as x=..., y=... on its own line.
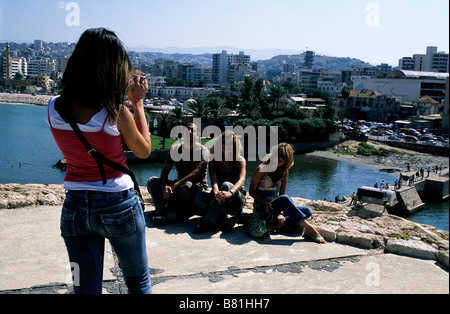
x=41, y=100
x=395, y=163
x=337, y=222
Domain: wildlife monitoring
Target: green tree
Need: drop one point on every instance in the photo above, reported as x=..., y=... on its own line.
x=258, y=91
x=276, y=96
x=177, y=116
x=216, y=108
x=247, y=90
x=251, y=109
x=165, y=120
x=199, y=109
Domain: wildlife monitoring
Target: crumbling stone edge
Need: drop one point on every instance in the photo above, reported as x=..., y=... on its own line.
x=336, y=222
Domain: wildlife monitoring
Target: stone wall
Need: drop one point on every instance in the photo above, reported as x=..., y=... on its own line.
x=336, y=222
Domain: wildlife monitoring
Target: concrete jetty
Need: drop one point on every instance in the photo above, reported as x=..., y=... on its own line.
x=411, y=197
x=379, y=255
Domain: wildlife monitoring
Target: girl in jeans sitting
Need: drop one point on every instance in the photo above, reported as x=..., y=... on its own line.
x=271, y=202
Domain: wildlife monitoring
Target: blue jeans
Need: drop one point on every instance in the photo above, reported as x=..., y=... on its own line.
x=90, y=217
x=293, y=214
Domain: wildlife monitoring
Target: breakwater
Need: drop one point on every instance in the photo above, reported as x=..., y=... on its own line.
x=40, y=100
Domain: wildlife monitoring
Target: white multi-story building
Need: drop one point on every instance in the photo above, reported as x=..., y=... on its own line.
x=179, y=93
x=222, y=62
x=19, y=64
x=41, y=65
x=432, y=61
x=406, y=85
x=61, y=64
x=330, y=86
x=197, y=75
x=220, y=67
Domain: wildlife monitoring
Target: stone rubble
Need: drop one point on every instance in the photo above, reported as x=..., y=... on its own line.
x=40, y=100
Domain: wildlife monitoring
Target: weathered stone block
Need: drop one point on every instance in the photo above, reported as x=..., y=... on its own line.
x=412, y=248
x=442, y=257
x=365, y=241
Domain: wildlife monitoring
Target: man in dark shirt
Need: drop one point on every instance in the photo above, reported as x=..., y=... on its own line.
x=175, y=199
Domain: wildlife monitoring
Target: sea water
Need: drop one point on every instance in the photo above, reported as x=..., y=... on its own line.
x=28, y=154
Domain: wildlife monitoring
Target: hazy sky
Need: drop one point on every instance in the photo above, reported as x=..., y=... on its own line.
x=374, y=31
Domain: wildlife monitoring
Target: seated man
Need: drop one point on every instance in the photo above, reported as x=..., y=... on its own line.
x=175, y=199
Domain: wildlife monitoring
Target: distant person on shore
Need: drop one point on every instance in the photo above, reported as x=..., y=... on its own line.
x=101, y=202
x=227, y=198
x=272, y=207
x=175, y=199
x=354, y=200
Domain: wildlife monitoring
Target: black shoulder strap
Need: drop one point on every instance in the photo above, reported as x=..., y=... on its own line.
x=91, y=150
x=100, y=159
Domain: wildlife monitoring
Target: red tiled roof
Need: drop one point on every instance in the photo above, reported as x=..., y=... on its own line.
x=426, y=100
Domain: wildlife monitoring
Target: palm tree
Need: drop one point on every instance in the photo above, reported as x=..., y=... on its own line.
x=165, y=120
x=216, y=107
x=177, y=116
x=251, y=109
x=276, y=95
x=199, y=109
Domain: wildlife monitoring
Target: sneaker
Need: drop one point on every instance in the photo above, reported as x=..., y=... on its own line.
x=229, y=223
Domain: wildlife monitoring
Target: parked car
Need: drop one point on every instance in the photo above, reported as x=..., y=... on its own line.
x=411, y=139
x=393, y=138
x=427, y=137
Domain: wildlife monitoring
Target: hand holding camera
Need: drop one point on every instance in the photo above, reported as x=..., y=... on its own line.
x=138, y=90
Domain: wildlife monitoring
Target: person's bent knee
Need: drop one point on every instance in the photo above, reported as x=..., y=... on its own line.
x=226, y=186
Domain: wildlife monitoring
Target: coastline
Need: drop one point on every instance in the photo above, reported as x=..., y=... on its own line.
x=39, y=100
x=395, y=164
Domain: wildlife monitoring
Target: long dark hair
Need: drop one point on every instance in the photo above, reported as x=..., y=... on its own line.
x=98, y=72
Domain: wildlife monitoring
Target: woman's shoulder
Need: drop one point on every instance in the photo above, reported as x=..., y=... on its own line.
x=259, y=170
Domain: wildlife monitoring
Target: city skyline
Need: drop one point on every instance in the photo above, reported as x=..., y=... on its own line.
x=373, y=31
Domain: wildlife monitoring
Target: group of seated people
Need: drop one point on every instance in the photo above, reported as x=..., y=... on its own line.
x=221, y=206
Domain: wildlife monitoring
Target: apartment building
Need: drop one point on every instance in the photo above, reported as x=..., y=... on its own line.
x=179, y=93
x=225, y=64
x=41, y=65
x=19, y=65
x=432, y=61
x=220, y=67
x=198, y=75
x=369, y=105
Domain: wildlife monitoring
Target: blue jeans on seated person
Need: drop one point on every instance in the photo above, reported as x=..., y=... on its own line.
x=293, y=214
x=90, y=217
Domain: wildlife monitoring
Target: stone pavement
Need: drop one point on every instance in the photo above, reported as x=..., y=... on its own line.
x=33, y=260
